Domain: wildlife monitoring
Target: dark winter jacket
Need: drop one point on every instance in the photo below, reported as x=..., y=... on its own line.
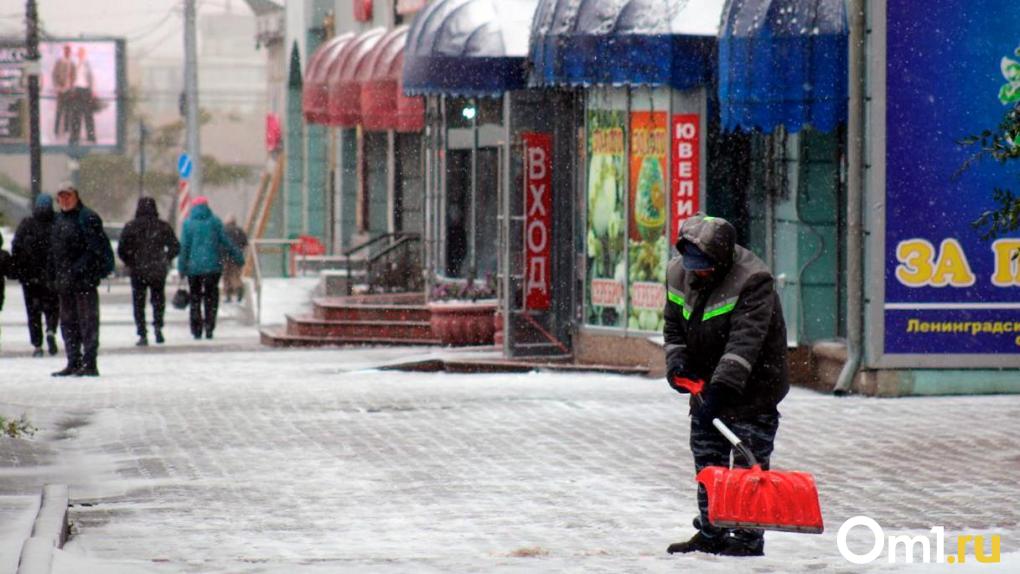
x=237, y=237
x=729, y=329
x=31, y=248
x=6, y=268
x=148, y=244
x=202, y=242
x=80, y=256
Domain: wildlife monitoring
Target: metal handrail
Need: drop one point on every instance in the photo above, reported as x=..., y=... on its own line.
x=347, y=254
x=401, y=243
x=257, y=268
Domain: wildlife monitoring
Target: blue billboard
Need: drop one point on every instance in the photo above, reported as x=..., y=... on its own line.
x=953, y=71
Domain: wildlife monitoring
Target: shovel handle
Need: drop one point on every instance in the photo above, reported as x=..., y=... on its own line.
x=731, y=436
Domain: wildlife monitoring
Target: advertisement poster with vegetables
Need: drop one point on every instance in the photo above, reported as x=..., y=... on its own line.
x=649, y=252
x=607, y=266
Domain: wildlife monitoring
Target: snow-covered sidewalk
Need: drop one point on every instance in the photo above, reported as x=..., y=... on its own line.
x=256, y=460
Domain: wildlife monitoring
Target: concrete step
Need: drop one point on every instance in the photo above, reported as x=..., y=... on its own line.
x=280, y=338
x=493, y=365
x=400, y=329
x=334, y=310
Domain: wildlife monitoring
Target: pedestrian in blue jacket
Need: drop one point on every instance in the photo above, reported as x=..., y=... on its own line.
x=203, y=241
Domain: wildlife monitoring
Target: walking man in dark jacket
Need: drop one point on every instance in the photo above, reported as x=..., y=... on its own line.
x=147, y=246
x=232, y=283
x=202, y=243
x=80, y=258
x=724, y=326
x=6, y=270
x=31, y=253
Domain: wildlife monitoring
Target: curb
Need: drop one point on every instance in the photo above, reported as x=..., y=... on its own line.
x=49, y=531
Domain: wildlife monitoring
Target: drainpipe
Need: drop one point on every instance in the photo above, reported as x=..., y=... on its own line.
x=855, y=196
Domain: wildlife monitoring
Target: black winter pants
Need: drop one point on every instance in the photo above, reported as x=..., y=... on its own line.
x=205, y=292
x=79, y=324
x=710, y=448
x=157, y=296
x=40, y=302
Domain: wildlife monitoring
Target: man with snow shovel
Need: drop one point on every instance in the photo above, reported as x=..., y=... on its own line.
x=724, y=327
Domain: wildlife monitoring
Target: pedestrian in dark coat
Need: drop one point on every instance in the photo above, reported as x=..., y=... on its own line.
x=6, y=269
x=724, y=326
x=31, y=253
x=81, y=257
x=147, y=246
x=232, y=284
x=203, y=240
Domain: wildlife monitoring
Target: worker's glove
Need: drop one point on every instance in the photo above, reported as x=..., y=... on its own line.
x=674, y=374
x=686, y=383
x=713, y=399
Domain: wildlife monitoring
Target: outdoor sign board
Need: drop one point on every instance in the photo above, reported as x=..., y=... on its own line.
x=81, y=83
x=13, y=87
x=686, y=142
x=537, y=220
x=606, y=212
x=648, y=253
x=946, y=297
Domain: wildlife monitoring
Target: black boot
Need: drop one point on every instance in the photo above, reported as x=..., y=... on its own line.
x=51, y=343
x=699, y=543
x=737, y=545
x=67, y=371
x=38, y=352
x=159, y=337
x=87, y=370
x=142, y=341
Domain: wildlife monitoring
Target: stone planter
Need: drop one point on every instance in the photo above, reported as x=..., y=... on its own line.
x=460, y=323
x=497, y=327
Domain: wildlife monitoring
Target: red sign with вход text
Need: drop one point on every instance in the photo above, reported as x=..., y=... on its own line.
x=686, y=157
x=537, y=219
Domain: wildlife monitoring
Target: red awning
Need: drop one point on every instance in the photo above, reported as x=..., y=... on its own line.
x=315, y=97
x=383, y=103
x=344, y=109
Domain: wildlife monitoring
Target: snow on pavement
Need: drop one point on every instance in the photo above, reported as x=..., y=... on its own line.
x=229, y=457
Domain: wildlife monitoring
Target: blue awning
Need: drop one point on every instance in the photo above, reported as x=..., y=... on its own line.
x=783, y=63
x=624, y=42
x=468, y=47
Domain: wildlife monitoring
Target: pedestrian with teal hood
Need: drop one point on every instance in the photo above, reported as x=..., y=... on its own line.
x=726, y=342
x=203, y=243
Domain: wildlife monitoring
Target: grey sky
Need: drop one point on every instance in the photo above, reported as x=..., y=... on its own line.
x=153, y=28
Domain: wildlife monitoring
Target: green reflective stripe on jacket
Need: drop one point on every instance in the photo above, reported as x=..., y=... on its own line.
x=675, y=297
x=720, y=309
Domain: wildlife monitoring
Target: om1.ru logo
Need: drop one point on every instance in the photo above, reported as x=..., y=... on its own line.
x=909, y=543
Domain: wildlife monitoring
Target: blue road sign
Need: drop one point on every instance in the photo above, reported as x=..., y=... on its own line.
x=184, y=166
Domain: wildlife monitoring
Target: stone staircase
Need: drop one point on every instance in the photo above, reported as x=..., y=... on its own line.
x=397, y=319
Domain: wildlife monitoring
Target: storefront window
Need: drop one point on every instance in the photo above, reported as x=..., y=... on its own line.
x=460, y=112
x=474, y=132
x=629, y=198
x=606, y=279
x=648, y=251
x=490, y=111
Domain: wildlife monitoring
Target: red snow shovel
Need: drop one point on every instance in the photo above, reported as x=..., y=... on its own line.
x=753, y=497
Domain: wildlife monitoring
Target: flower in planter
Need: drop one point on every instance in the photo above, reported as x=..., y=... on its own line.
x=466, y=290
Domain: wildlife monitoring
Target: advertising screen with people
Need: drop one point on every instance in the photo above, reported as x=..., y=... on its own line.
x=80, y=84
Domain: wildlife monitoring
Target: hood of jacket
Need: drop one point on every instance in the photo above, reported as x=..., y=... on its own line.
x=146, y=208
x=200, y=212
x=714, y=236
x=44, y=214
